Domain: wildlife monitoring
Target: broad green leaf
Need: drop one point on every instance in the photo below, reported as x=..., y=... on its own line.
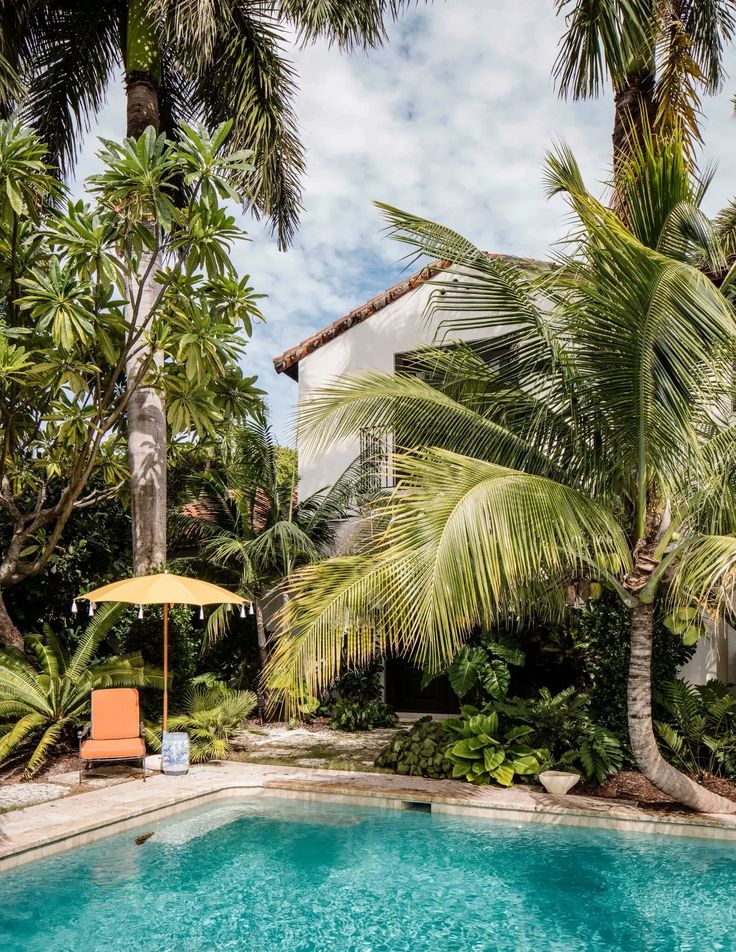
x=496, y=678
x=466, y=669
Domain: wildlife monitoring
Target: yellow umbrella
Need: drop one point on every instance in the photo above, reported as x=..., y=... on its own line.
x=164, y=589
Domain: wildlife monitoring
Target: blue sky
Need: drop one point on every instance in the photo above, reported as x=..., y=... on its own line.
x=450, y=120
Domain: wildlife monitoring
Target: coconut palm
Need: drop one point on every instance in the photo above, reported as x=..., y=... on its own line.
x=248, y=521
x=659, y=55
x=601, y=450
x=213, y=60
x=45, y=694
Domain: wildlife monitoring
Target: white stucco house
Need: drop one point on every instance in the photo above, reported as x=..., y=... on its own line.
x=374, y=336
x=378, y=335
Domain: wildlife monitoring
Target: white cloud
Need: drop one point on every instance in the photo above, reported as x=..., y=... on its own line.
x=451, y=120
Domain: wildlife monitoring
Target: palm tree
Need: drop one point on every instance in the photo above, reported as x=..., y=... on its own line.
x=182, y=59
x=602, y=450
x=659, y=57
x=46, y=697
x=247, y=521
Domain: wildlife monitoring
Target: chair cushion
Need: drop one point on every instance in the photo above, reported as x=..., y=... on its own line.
x=113, y=749
x=116, y=714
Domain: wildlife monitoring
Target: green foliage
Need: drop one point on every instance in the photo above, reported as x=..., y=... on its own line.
x=484, y=751
x=355, y=703
x=69, y=271
x=349, y=715
x=144, y=636
x=508, y=740
x=244, y=519
x=45, y=693
x=93, y=549
x=601, y=632
x=696, y=725
x=212, y=715
x=484, y=668
x=361, y=685
x=561, y=724
x=420, y=751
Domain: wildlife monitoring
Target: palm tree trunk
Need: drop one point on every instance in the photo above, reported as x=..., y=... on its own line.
x=146, y=414
x=641, y=731
x=146, y=421
x=263, y=655
x=9, y=633
x=634, y=113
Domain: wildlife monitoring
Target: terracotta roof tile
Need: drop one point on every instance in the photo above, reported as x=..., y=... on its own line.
x=289, y=360
x=291, y=357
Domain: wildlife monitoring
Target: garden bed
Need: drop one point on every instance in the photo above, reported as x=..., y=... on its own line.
x=632, y=786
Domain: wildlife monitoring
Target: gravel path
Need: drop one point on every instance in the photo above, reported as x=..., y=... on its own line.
x=15, y=795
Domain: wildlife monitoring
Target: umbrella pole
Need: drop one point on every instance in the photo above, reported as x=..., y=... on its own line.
x=166, y=666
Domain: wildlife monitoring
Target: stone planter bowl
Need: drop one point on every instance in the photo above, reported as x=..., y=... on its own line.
x=558, y=782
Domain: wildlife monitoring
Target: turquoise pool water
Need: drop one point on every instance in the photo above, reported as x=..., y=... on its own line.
x=263, y=874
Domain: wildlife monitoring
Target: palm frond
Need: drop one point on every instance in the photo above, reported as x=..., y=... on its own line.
x=358, y=24
x=236, y=61
x=702, y=572
x=21, y=731
x=602, y=38
x=73, y=54
x=100, y=625
x=49, y=738
x=466, y=543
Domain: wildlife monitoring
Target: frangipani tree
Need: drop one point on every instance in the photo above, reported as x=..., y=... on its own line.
x=602, y=449
x=182, y=61
x=69, y=323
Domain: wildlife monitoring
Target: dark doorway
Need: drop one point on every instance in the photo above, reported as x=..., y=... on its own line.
x=404, y=690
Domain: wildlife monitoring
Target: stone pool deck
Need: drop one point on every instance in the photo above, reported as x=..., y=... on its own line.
x=48, y=828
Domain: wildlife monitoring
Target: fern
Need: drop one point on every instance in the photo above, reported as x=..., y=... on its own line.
x=698, y=726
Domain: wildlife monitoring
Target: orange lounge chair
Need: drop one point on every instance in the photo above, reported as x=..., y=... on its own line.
x=116, y=731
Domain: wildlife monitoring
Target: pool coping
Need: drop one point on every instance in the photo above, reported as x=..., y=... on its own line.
x=48, y=828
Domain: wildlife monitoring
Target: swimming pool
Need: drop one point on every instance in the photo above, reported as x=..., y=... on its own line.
x=272, y=874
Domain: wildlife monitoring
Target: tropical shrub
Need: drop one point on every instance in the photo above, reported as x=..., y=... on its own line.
x=349, y=715
x=600, y=631
x=562, y=725
x=355, y=702
x=484, y=668
x=45, y=694
x=483, y=750
x=697, y=727
x=212, y=715
x=419, y=752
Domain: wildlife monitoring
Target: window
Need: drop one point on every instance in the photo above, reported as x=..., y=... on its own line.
x=374, y=461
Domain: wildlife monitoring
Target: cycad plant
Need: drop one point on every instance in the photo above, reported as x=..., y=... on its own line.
x=593, y=439
x=45, y=694
x=697, y=723
x=211, y=715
